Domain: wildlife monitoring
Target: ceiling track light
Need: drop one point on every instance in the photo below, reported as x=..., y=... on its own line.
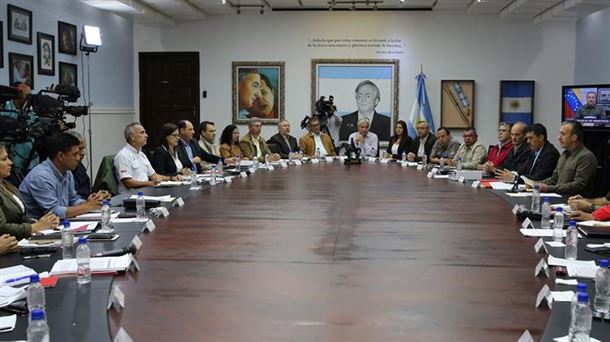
x=262, y=10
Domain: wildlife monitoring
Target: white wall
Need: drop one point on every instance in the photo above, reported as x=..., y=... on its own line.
x=450, y=46
x=111, y=66
x=593, y=48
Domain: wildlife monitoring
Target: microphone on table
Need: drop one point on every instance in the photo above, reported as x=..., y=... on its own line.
x=116, y=252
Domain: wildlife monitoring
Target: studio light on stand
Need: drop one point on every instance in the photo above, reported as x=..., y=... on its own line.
x=90, y=41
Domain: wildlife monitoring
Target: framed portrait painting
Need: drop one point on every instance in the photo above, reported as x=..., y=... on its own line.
x=258, y=91
x=19, y=24
x=457, y=103
x=46, y=53
x=66, y=38
x=21, y=69
x=517, y=101
x=360, y=88
x=68, y=74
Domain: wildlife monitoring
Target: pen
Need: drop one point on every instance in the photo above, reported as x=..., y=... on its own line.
x=18, y=279
x=36, y=256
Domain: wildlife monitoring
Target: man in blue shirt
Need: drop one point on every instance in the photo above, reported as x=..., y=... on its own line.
x=49, y=187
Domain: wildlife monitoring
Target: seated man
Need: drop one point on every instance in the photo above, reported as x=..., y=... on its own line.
x=472, y=153
x=422, y=145
x=444, y=146
x=82, y=182
x=314, y=140
x=286, y=143
x=541, y=160
x=133, y=169
x=576, y=167
x=253, y=145
x=497, y=154
x=49, y=187
x=366, y=141
x=518, y=155
x=192, y=149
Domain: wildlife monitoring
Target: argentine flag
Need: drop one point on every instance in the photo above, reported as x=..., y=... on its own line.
x=517, y=102
x=421, y=108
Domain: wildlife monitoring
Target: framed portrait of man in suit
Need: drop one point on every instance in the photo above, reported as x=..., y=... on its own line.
x=258, y=91
x=362, y=89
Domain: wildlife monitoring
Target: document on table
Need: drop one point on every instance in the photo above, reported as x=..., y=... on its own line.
x=170, y=183
x=126, y=220
x=567, y=339
x=538, y=232
x=562, y=296
x=75, y=226
x=11, y=274
x=582, y=271
x=552, y=261
x=529, y=194
x=166, y=198
x=528, y=181
x=594, y=224
x=441, y=176
x=500, y=185
x=95, y=216
x=7, y=323
x=98, y=265
x=9, y=295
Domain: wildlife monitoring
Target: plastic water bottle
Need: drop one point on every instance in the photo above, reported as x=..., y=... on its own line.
x=580, y=287
x=290, y=158
x=38, y=329
x=545, y=222
x=458, y=164
x=536, y=199
x=106, y=217
x=194, y=182
x=572, y=241
x=141, y=207
x=83, y=261
x=318, y=153
x=220, y=169
x=442, y=164
x=35, y=294
x=424, y=161
x=67, y=241
x=255, y=163
x=580, y=322
x=267, y=163
x=238, y=163
x=300, y=156
x=601, y=303
x=558, y=225
x=213, y=177
x=404, y=157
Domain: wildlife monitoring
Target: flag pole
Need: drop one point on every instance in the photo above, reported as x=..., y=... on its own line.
x=421, y=68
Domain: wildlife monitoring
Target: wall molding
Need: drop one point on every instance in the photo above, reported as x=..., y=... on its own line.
x=113, y=110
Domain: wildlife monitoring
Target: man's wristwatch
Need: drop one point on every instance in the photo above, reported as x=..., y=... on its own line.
x=591, y=208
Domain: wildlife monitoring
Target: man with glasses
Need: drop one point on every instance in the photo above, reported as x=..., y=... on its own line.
x=498, y=153
x=472, y=153
x=315, y=141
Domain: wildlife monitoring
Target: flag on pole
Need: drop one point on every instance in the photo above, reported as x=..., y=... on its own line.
x=421, y=107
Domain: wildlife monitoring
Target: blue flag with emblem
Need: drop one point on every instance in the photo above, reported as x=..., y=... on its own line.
x=517, y=101
x=421, y=107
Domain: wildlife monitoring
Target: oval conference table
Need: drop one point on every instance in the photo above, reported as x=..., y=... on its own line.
x=329, y=252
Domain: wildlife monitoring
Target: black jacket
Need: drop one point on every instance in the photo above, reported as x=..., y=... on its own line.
x=381, y=125
x=164, y=164
x=515, y=160
x=404, y=147
x=82, y=182
x=430, y=140
x=197, y=152
x=544, y=166
x=279, y=141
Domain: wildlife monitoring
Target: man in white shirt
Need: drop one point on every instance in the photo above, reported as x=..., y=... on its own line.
x=133, y=170
x=366, y=141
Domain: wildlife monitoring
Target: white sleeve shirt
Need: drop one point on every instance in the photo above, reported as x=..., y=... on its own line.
x=131, y=163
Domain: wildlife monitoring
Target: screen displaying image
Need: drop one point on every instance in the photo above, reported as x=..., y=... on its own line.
x=587, y=104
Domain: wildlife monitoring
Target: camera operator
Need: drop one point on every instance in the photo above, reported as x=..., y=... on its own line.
x=22, y=153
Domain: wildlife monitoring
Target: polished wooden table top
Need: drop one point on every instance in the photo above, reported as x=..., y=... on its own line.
x=329, y=253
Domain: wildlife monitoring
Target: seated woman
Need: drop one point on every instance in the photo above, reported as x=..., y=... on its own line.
x=168, y=159
x=400, y=142
x=229, y=143
x=13, y=218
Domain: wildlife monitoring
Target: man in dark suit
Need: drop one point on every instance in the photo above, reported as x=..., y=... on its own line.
x=422, y=145
x=285, y=143
x=541, y=161
x=191, y=148
x=367, y=99
x=519, y=152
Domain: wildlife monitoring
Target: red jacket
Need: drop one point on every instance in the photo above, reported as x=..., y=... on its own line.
x=602, y=214
x=498, y=157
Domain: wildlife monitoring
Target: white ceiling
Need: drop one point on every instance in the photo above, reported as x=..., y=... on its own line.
x=171, y=11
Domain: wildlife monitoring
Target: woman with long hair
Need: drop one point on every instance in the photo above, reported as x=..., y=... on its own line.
x=400, y=142
x=229, y=143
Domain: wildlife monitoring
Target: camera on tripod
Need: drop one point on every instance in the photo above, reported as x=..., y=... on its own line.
x=324, y=110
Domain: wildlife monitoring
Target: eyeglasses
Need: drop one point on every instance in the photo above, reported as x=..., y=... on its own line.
x=175, y=135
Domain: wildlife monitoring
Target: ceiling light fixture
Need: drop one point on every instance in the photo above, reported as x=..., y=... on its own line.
x=262, y=10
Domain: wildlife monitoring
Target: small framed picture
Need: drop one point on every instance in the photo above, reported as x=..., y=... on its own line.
x=68, y=74
x=457, y=103
x=258, y=91
x=46, y=54
x=66, y=38
x=517, y=101
x=19, y=24
x=21, y=69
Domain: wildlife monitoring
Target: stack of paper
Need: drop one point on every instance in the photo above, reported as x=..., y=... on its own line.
x=98, y=265
x=538, y=232
x=97, y=216
x=500, y=185
x=529, y=194
x=594, y=224
x=15, y=275
x=9, y=295
x=171, y=183
x=166, y=198
x=552, y=261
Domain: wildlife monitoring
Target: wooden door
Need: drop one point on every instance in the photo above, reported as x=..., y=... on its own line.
x=169, y=90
